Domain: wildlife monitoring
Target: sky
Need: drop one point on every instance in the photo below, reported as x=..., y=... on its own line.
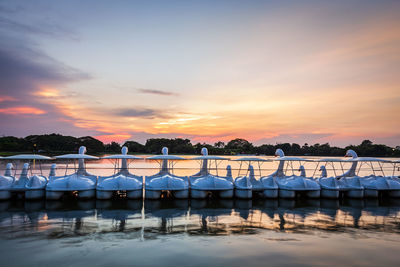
x=267, y=71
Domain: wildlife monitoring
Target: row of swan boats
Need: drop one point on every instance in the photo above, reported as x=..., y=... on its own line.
x=200, y=185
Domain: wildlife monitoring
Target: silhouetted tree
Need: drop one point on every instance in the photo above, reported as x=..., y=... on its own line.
x=113, y=147
x=135, y=147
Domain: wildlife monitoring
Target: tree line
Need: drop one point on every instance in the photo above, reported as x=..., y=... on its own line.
x=56, y=143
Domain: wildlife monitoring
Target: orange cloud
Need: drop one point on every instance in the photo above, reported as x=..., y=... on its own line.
x=47, y=92
x=7, y=98
x=22, y=111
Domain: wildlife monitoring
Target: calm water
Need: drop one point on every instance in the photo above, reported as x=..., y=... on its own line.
x=199, y=233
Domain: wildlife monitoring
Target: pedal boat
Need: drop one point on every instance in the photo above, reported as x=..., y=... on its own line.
x=31, y=183
x=374, y=184
x=265, y=186
x=80, y=183
x=6, y=182
x=290, y=186
x=122, y=182
x=203, y=182
x=165, y=181
x=329, y=185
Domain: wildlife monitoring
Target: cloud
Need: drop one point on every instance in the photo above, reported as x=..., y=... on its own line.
x=53, y=30
x=24, y=70
x=147, y=113
x=22, y=110
x=157, y=92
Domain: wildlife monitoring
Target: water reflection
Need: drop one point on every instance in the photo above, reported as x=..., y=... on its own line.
x=152, y=219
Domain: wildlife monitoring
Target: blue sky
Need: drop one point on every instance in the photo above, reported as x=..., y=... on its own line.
x=267, y=71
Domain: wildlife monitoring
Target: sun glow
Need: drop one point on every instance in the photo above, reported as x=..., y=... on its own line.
x=47, y=92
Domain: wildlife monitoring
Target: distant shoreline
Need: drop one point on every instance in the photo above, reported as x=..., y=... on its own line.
x=57, y=144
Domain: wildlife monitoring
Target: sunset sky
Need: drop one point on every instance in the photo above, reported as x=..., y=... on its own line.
x=266, y=71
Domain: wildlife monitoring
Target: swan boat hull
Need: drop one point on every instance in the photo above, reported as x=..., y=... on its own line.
x=375, y=185
x=243, y=187
x=5, y=187
x=351, y=187
x=201, y=186
x=177, y=186
x=83, y=185
x=29, y=187
x=131, y=185
x=290, y=187
x=329, y=187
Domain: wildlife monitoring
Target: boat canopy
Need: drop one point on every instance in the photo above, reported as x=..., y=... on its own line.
x=209, y=157
x=253, y=159
x=80, y=155
x=123, y=155
x=284, y=158
x=368, y=159
x=28, y=157
x=331, y=160
x=76, y=156
x=165, y=156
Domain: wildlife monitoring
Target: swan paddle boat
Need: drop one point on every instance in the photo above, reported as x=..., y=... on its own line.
x=165, y=181
x=203, y=182
x=331, y=187
x=122, y=181
x=6, y=182
x=290, y=186
x=376, y=184
x=31, y=183
x=349, y=182
x=80, y=183
x=265, y=186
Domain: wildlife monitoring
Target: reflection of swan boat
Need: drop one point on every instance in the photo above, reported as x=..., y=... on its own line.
x=122, y=181
x=164, y=180
x=119, y=210
x=166, y=209
x=265, y=186
x=289, y=186
x=81, y=182
x=31, y=185
x=204, y=182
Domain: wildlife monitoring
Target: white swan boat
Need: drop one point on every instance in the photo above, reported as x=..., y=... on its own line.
x=289, y=186
x=329, y=185
x=376, y=184
x=333, y=187
x=31, y=183
x=265, y=186
x=6, y=182
x=122, y=181
x=80, y=182
x=204, y=182
x=349, y=182
x=164, y=180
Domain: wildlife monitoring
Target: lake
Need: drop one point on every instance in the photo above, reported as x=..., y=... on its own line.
x=191, y=232
x=200, y=233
